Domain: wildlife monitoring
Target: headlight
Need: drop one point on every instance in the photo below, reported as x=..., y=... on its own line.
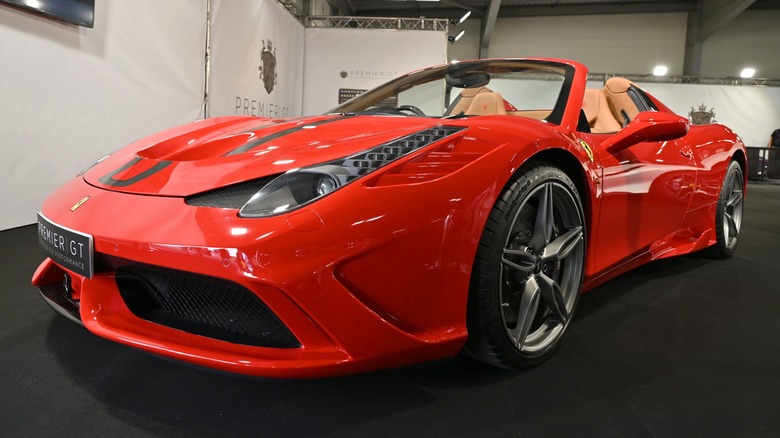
x=299, y=187
x=294, y=189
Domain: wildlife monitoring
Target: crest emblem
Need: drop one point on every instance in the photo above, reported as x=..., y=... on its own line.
x=268, y=66
x=701, y=116
x=343, y=74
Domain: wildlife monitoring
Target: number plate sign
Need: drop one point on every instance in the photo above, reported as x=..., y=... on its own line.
x=68, y=248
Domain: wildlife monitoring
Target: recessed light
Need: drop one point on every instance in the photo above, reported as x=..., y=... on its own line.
x=660, y=70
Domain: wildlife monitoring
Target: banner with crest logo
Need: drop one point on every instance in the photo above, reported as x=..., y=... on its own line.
x=753, y=112
x=343, y=63
x=256, y=57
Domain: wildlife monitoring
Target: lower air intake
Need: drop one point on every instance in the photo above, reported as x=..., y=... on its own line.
x=202, y=305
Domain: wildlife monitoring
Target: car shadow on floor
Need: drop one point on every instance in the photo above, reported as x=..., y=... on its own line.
x=162, y=396
x=157, y=395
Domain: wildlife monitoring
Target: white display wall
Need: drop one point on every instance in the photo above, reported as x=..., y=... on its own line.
x=256, y=60
x=753, y=112
x=72, y=94
x=344, y=62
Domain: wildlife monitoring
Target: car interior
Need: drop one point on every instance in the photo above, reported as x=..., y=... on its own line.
x=607, y=110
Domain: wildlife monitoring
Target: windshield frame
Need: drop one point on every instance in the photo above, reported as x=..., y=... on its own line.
x=405, y=82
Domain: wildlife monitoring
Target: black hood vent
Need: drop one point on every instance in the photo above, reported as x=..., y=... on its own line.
x=232, y=196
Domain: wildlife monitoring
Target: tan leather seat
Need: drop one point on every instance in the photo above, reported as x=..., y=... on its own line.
x=478, y=102
x=466, y=97
x=590, y=105
x=618, y=100
x=596, y=109
x=487, y=104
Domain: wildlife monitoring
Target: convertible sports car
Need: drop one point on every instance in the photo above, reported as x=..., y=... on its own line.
x=459, y=208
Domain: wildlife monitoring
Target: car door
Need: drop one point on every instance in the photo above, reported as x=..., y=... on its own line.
x=645, y=192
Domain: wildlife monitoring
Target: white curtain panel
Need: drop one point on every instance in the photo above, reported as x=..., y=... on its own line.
x=72, y=94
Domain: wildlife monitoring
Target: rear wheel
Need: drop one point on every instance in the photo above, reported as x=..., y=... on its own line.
x=528, y=270
x=728, y=215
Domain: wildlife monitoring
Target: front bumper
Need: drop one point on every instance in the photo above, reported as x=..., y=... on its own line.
x=293, y=265
x=102, y=311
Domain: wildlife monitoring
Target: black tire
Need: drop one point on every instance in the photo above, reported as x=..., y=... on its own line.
x=728, y=215
x=528, y=270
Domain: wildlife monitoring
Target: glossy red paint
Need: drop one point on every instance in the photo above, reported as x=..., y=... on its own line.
x=376, y=274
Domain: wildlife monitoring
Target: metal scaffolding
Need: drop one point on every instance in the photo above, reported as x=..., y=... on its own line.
x=687, y=79
x=292, y=7
x=435, y=24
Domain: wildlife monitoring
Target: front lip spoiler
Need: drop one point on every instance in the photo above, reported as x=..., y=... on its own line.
x=54, y=295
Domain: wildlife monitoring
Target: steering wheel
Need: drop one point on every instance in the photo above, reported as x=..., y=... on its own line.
x=412, y=109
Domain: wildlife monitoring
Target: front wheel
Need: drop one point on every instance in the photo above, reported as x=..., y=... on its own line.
x=528, y=270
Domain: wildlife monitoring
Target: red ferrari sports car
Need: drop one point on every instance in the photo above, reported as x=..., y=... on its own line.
x=459, y=208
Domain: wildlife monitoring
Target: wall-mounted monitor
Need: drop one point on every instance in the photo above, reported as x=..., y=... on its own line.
x=79, y=12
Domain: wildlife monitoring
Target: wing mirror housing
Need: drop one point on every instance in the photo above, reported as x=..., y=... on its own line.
x=648, y=126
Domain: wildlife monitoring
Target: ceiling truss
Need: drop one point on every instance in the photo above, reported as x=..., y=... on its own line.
x=705, y=17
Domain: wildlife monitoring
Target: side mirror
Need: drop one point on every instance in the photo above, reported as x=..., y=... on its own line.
x=648, y=126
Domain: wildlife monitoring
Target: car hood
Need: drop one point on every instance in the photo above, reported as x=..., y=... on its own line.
x=216, y=152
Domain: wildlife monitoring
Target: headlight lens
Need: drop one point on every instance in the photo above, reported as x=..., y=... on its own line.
x=326, y=184
x=294, y=189
x=301, y=186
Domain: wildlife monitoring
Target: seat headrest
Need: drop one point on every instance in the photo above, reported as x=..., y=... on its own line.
x=487, y=104
x=617, y=85
x=471, y=92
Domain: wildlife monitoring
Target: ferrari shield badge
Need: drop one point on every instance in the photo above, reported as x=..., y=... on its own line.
x=584, y=144
x=80, y=203
x=268, y=66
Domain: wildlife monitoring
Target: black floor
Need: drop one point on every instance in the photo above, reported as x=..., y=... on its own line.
x=683, y=347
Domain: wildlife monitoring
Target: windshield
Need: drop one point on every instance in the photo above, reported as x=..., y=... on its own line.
x=526, y=88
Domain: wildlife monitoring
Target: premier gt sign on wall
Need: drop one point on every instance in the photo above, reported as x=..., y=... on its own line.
x=256, y=60
x=365, y=58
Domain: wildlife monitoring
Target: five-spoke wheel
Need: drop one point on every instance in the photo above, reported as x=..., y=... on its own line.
x=728, y=215
x=528, y=271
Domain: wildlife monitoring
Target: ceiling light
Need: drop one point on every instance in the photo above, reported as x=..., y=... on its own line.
x=458, y=21
x=660, y=70
x=460, y=34
x=747, y=72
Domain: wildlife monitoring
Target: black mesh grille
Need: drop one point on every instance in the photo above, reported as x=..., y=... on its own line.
x=234, y=196
x=202, y=305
